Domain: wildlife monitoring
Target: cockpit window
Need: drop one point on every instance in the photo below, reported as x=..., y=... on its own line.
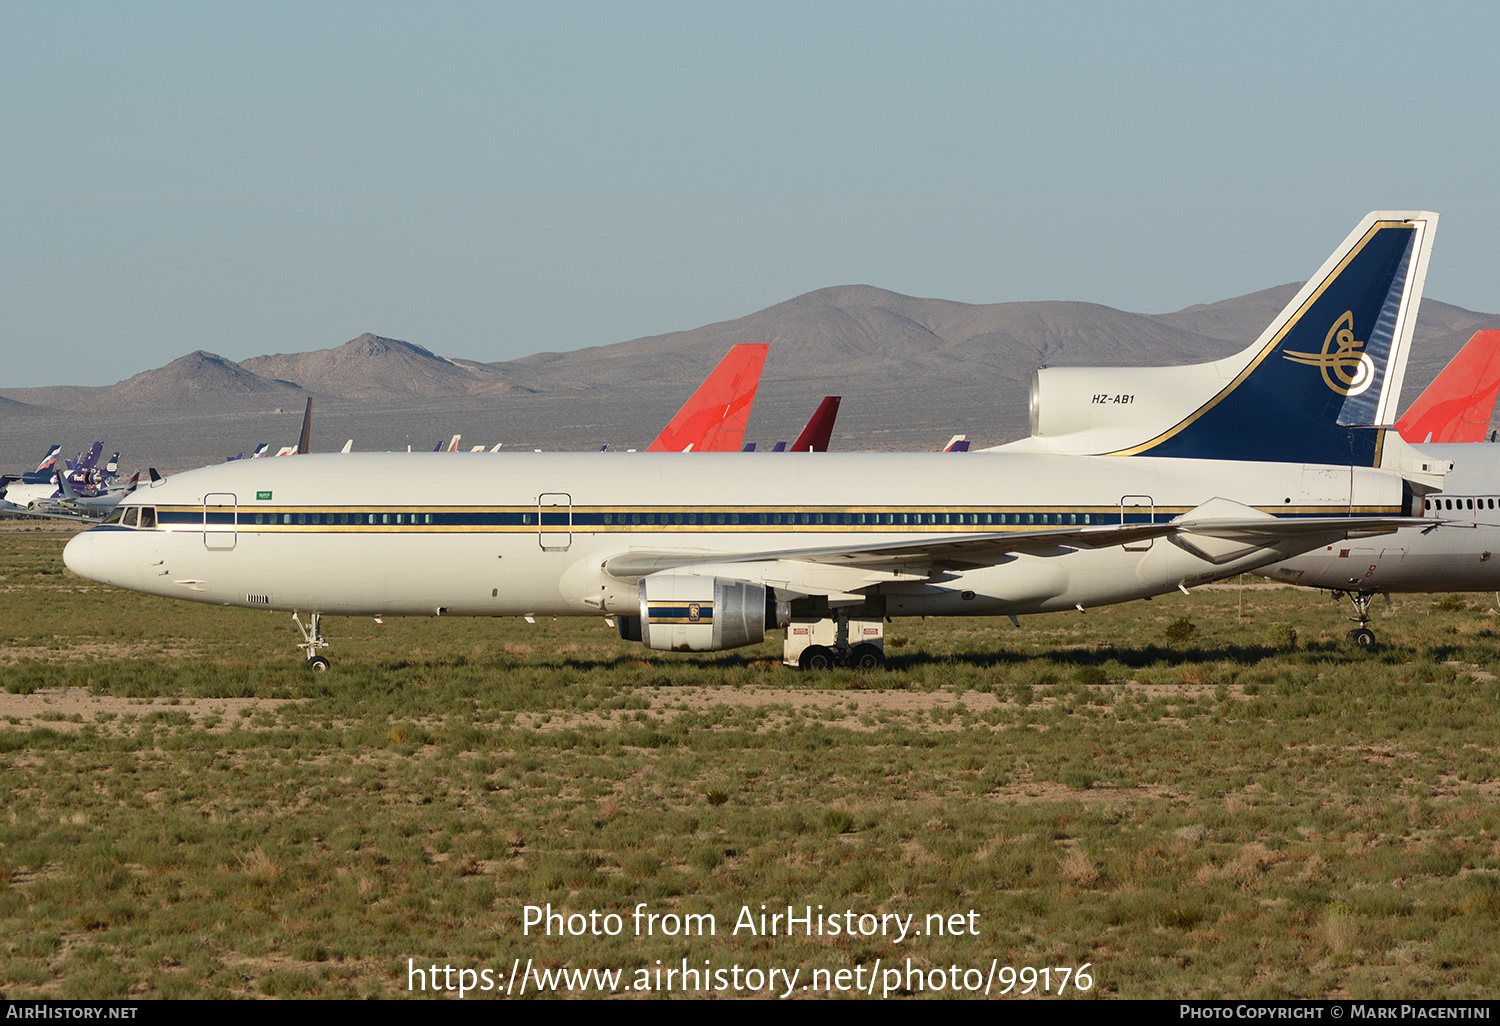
x=131, y=514
x=116, y=515
x=148, y=517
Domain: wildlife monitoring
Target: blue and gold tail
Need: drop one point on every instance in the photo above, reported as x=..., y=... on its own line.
x=1321, y=385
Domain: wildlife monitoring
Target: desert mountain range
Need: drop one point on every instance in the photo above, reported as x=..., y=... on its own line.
x=911, y=370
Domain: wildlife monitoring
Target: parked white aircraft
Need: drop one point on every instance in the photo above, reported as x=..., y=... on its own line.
x=1459, y=555
x=708, y=551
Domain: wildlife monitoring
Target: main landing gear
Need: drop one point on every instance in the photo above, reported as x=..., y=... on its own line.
x=1361, y=635
x=313, y=641
x=825, y=657
x=855, y=639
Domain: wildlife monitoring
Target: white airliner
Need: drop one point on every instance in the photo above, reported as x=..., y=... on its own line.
x=1458, y=550
x=702, y=552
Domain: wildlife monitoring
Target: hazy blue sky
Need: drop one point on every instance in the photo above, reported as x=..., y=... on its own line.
x=491, y=180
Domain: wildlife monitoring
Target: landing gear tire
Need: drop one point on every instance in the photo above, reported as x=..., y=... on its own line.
x=817, y=657
x=866, y=657
x=1363, y=637
x=312, y=641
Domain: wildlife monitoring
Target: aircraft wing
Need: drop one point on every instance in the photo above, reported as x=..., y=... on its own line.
x=1219, y=530
x=10, y=509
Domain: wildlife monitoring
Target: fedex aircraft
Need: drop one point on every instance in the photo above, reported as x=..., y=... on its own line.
x=709, y=552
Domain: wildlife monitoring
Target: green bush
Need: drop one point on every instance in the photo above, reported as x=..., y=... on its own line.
x=1281, y=636
x=1180, y=630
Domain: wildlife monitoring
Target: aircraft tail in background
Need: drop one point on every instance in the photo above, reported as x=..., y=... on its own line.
x=49, y=459
x=88, y=462
x=814, y=437
x=305, y=441
x=1459, y=403
x=714, y=417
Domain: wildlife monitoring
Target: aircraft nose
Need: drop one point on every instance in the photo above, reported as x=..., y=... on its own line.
x=79, y=553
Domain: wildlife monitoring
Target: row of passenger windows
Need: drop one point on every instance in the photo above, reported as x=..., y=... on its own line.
x=852, y=519
x=344, y=518
x=728, y=519
x=1444, y=503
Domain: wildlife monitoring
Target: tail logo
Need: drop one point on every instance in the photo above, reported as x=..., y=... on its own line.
x=1345, y=369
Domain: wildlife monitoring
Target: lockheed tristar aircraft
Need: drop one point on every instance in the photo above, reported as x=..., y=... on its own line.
x=702, y=552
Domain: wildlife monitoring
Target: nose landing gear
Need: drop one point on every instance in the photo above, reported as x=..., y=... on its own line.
x=313, y=641
x=1361, y=635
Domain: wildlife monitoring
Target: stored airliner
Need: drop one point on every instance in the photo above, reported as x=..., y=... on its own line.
x=708, y=552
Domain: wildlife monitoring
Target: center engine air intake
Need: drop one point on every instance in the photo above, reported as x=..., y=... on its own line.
x=686, y=613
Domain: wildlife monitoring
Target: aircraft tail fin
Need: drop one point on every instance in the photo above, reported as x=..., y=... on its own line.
x=1322, y=382
x=714, y=417
x=65, y=486
x=87, y=463
x=1459, y=403
x=814, y=437
x=304, y=443
x=779, y=447
x=453, y=445
x=49, y=459
x=958, y=443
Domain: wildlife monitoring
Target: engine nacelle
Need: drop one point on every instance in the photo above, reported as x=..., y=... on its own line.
x=1098, y=409
x=687, y=613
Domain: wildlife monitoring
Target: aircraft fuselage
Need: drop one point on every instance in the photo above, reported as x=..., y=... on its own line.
x=501, y=534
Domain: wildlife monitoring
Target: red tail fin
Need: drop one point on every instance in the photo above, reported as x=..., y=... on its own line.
x=714, y=419
x=1458, y=404
x=814, y=437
